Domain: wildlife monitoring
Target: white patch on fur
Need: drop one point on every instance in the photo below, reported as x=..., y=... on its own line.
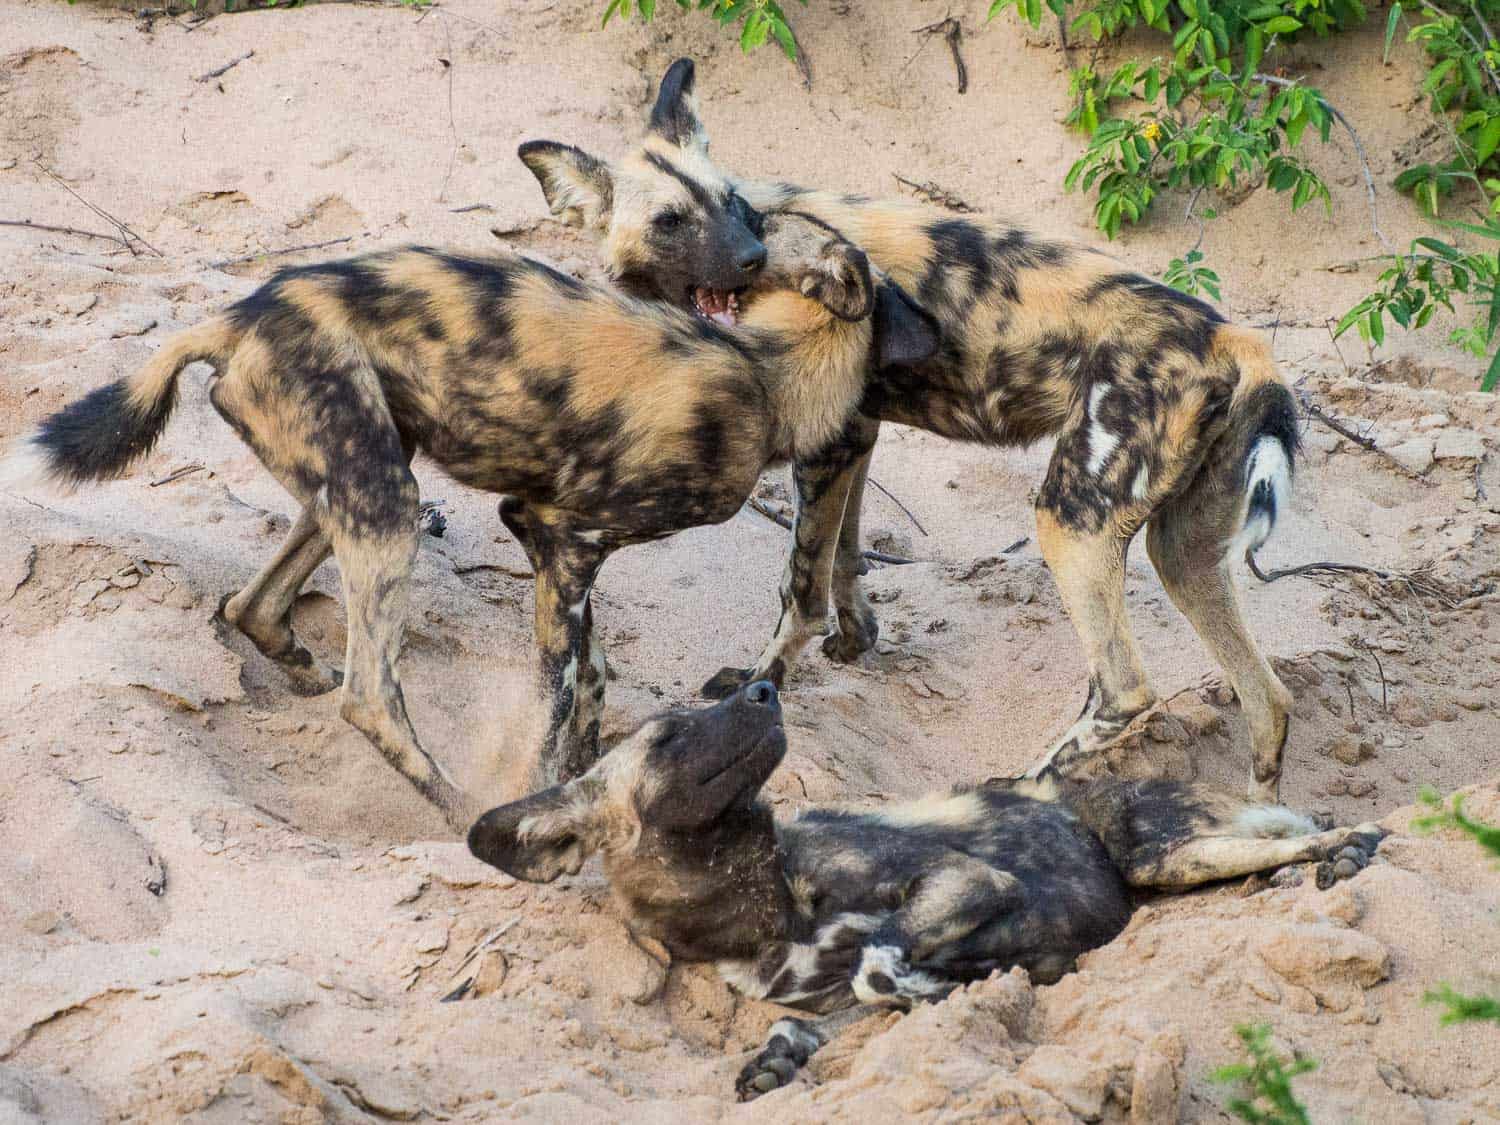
x=742, y=977
x=1102, y=443
x=958, y=811
x=1142, y=483
x=911, y=984
x=24, y=467
x=1267, y=464
x=1272, y=822
x=797, y=1033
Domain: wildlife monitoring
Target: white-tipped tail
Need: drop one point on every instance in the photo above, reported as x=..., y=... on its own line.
x=24, y=467
x=1268, y=488
x=1272, y=822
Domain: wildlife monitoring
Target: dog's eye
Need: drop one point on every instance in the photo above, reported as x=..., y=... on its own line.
x=667, y=220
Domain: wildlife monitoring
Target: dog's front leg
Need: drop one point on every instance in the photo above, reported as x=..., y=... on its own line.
x=858, y=627
x=789, y=1044
x=566, y=561
x=824, y=491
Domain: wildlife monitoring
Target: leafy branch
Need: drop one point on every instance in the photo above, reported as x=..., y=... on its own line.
x=1269, y=1081
x=760, y=20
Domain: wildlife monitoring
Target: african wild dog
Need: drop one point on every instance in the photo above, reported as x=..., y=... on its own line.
x=1164, y=415
x=604, y=420
x=834, y=908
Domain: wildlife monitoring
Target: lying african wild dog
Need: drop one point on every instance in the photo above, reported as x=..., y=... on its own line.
x=1165, y=415
x=605, y=420
x=835, y=908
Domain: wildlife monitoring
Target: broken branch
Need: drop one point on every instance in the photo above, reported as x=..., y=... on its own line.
x=1315, y=411
x=220, y=71
x=933, y=192
x=29, y=225
x=894, y=500
x=781, y=521
x=126, y=234
x=952, y=31
x=277, y=253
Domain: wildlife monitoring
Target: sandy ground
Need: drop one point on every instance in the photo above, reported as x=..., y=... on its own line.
x=219, y=905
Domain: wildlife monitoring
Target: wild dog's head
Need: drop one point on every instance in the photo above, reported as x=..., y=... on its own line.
x=679, y=773
x=672, y=226
x=807, y=257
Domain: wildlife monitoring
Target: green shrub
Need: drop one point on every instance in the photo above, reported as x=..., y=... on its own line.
x=1268, y=1082
x=760, y=20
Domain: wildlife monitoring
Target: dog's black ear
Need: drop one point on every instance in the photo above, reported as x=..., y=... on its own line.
x=905, y=333
x=536, y=838
x=840, y=281
x=674, y=117
x=579, y=188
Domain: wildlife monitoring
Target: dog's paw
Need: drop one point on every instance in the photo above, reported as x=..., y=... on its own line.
x=789, y=1046
x=1349, y=856
x=847, y=644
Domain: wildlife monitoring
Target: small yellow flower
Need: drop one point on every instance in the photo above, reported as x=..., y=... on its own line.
x=1151, y=131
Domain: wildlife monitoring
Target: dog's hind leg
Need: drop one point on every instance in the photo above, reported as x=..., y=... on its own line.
x=263, y=609
x=571, y=661
x=823, y=489
x=1186, y=541
x=859, y=628
x=1341, y=853
x=1089, y=569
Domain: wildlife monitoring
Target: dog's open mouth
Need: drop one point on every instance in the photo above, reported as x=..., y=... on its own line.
x=722, y=306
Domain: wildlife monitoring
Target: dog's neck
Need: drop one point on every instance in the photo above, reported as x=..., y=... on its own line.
x=815, y=365
x=707, y=894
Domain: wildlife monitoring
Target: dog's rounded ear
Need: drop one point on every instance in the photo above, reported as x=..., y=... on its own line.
x=906, y=334
x=579, y=188
x=674, y=117
x=536, y=838
x=840, y=281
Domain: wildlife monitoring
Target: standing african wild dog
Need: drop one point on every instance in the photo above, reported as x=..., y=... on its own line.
x=605, y=420
x=1165, y=415
x=904, y=903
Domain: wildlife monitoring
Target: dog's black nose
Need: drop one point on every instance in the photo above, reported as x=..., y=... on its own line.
x=751, y=260
x=762, y=693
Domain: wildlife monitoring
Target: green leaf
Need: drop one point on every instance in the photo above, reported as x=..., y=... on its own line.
x=647, y=8
x=1492, y=375
x=1281, y=25
x=783, y=33
x=1489, y=137
x=1390, y=30
x=1441, y=249
x=1494, y=324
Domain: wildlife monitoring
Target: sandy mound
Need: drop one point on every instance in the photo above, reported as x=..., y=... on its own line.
x=220, y=905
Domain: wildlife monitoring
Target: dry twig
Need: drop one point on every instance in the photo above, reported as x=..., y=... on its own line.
x=27, y=224
x=178, y=474
x=1415, y=582
x=1315, y=411
x=952, y=31
x=278, y=253
x=933, y=192
x=780, y=520
x=126, y=234
x=896, y=501
x=220, y=71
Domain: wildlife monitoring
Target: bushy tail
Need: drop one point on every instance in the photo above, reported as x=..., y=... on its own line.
x=99, y=436
x=1262, y=435
x=1273, y=822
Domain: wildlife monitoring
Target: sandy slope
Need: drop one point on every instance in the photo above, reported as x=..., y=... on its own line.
x=218, y=904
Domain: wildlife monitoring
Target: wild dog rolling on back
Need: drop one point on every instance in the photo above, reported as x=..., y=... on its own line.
x=885, y=907
x=1165, y=415
x=604, y=420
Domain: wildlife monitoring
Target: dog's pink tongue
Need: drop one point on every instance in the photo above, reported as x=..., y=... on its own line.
x=724, y=317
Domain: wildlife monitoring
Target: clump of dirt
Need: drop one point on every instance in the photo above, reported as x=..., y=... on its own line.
x=222, y=905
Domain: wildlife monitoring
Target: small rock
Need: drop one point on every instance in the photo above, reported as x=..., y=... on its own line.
x=1432, y=421
x=42, y=922
x=1458, y=445
x=1346, y=869
x=433, y=939
x=1310, y=955
x=491, y=974
x=1415, y=453
x=132, y=325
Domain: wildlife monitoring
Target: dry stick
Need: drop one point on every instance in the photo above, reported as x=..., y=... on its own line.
x=951, y=30
x=219, y=72
x=470, y=207
x=126, y=234
x=781, y=521
x=1315, y=411
x=1423, y=587
x=916, y=522
x=277, y=253
x=452, y=128
x=1385, y=700
x=178, y=474
x=29, y=225
x=934, y=192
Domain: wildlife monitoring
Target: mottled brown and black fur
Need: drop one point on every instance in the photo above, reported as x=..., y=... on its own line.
x=604, y=420
x=838, y=908
x=1165, y=416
